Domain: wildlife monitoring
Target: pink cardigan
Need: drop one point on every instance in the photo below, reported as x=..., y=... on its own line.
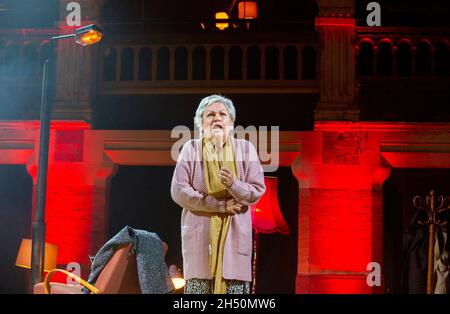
x=189, y=191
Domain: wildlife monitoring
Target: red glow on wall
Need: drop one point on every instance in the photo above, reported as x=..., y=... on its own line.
x=417, y=159
x=333, y=284
x=69, y=145
x=341, y=238
x=54, y=125
x=69, y=200
x=15, y=156
x=336, y=211
x=337, y=22
x=66, y=29
x=340, y=176
x=68, y=218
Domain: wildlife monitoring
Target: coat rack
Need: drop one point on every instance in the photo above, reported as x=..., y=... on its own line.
x=434, y=206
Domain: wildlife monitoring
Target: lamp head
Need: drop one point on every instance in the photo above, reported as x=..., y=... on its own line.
x=88, y=35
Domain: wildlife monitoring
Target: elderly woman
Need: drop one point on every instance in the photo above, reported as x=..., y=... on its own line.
x=215, y=180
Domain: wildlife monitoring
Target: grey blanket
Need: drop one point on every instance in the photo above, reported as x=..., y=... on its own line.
x=153, y=273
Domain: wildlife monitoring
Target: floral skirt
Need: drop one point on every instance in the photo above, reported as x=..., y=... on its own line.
x=206, y=286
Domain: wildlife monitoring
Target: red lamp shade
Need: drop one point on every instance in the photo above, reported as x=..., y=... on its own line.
x=266, y=214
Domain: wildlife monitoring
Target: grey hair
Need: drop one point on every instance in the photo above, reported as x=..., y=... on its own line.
x=209, y=100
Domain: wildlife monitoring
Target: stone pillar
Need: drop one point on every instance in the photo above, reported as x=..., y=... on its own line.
x=76, y=67
x=340, y=212
x=75, y=211
x=337, y=61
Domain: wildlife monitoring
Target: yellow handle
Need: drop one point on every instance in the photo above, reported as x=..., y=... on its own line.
x=69, y=274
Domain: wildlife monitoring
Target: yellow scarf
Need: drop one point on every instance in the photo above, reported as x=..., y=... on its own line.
x=213, y=161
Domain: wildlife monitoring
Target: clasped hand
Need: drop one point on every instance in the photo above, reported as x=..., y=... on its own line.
x=226, y=177
x=232, y=206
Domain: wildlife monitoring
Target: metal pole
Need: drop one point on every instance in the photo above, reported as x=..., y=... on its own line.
x=255, y=260
x=430, y=269
x=38, y=232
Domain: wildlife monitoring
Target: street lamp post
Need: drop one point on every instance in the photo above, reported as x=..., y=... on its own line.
x=84, y=36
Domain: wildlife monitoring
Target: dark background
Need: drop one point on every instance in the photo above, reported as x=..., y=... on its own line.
x=398, y=193
x=15, y=223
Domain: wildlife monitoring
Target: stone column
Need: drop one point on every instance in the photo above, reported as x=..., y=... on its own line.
x=337, y=66
x=340, y=209
x=77, y=185
x=76, y=67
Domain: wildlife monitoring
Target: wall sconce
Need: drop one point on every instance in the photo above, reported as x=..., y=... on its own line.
x=248, y=10
x=222, y=16
x=24, y=255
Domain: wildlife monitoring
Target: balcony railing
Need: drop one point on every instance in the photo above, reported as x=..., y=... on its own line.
x=201, y=68
x=227, y=63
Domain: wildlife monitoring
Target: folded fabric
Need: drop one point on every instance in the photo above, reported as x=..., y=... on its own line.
x=153, y=273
